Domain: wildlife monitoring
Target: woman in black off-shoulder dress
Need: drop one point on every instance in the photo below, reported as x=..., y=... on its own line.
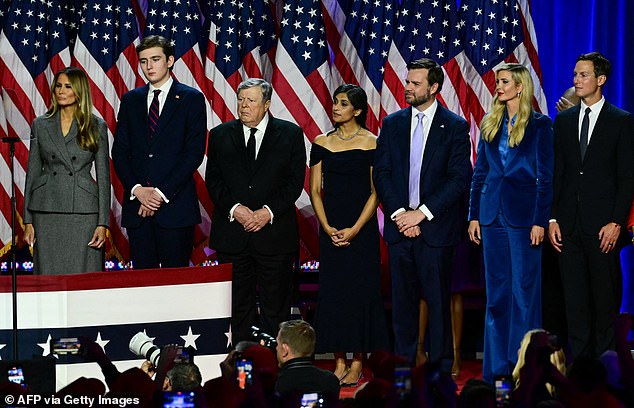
x=350, y=316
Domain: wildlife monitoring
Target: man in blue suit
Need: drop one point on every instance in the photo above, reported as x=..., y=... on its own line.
x=421, y=173
x=159, y=143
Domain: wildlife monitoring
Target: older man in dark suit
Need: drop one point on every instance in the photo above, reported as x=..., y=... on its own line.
x=255, y=173
x=158, y=145
x=421, y=174
x=593, y=186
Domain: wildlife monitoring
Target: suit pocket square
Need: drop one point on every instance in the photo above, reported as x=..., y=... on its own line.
x=442, y=126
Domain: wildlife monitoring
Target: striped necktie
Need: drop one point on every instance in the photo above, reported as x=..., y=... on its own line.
x=154, y=113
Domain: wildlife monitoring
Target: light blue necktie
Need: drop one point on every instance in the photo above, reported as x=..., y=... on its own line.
x=415, y=161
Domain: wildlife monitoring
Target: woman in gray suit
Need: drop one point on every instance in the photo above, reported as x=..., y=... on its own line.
x=67, y=212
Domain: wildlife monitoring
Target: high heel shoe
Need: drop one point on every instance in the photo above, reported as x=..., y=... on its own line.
x=343, y=375
x=342, y=383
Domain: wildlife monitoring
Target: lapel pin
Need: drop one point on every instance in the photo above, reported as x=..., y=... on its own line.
x=442, y=126
x=178, y=96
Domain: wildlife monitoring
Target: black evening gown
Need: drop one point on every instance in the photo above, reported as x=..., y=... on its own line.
x=350, y=316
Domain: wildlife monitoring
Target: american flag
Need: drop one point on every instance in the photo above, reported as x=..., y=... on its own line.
x=104, y=48
x=363, y=49
x=65, y=306
x=302, y=87
x=320, y=44
x=33, y=46
x=498, y=31
x=241, y=34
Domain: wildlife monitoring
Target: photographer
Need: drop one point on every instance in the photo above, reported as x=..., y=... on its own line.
x=295, y=347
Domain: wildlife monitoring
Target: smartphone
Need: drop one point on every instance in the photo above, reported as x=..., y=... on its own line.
x=184, y=355
x=503, y=388
x=65, y=346
x=244, y=372
x=174, y=399
x=403, y=381
x=312, y=400
x=15, y=374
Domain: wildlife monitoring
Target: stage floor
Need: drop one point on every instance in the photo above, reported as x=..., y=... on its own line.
x=470, y=369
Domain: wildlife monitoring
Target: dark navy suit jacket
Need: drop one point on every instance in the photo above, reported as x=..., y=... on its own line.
x=166, y=161
x=522, y=189
x=444, y=174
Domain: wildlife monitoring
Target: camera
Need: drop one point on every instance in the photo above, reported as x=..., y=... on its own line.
x=263, y=338
x=142, y=346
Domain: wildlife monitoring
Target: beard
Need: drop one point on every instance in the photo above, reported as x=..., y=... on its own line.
x=417, y=101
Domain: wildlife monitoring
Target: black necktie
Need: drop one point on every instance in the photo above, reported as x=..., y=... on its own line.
x=154, y=112
x=251, y=146
x=583, y=138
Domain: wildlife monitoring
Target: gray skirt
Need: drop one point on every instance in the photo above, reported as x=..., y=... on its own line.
x=61, y=244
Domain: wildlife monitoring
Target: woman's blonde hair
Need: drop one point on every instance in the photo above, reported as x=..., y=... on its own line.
x=557, y=358
x=87, y=132
x=491, y=122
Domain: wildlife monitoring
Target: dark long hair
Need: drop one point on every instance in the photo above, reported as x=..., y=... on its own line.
x=358, y=99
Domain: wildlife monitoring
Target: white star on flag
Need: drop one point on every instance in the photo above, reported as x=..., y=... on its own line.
x=190, y=338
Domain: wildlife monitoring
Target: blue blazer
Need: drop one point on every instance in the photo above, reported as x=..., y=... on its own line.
x=522, y=190
x=444, y=174
x=168, y=160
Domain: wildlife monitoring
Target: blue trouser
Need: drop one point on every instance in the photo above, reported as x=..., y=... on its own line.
x=513, y=290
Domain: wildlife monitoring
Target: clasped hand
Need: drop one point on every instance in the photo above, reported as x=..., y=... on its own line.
x=341, y=238
x=252, y=221
x=408, y=222
x=150, y=201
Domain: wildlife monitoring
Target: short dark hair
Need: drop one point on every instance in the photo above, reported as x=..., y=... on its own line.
x=185, y=377
x=299, y=336
x=434, y=74
x=358, y=98
x=602, y=65
x=152, y=41
x=265, y=87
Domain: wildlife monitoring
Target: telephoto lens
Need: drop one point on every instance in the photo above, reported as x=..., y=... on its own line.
x=142, y=346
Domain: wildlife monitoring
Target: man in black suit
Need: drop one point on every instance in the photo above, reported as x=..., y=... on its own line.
x=158, y=145
x=255, y=173
x=593, y=186
x=421, y=174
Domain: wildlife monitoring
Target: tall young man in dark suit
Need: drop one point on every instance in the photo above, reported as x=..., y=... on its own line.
x=421, y=174
x=255, y=173
x=593, y=186
x=158, y=145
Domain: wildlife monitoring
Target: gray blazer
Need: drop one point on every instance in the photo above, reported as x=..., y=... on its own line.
x=58, y=175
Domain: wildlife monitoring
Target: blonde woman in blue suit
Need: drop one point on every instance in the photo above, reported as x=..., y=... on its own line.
x=66, y=211
x=511, y=194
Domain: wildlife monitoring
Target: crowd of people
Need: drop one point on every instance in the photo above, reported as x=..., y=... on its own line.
x=287, y=377
x=571, y=184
